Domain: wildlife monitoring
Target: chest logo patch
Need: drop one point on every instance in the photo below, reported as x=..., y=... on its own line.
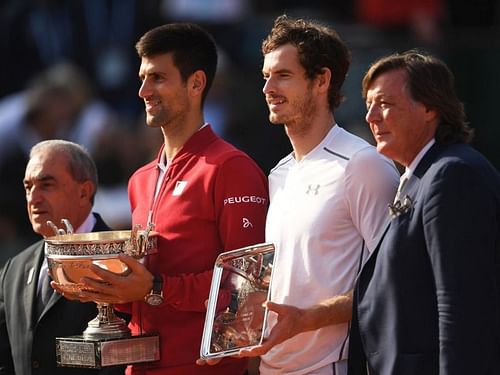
x=247, y=223
x=179, y=188
x=312, y=189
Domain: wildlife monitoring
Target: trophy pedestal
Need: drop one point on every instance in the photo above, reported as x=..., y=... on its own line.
x=95, y=352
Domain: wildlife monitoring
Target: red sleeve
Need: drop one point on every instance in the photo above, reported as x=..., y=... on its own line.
x=241, y=202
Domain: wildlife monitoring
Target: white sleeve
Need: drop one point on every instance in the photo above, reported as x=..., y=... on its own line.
x=371, y=183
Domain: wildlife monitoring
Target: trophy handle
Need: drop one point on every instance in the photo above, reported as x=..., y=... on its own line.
x=139, y=243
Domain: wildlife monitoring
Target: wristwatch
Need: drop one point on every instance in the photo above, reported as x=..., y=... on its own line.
x=155, y=296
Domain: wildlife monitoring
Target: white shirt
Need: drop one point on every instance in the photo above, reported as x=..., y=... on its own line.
x=325, y=215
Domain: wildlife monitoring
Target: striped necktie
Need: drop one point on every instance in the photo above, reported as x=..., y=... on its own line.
x=402, y=183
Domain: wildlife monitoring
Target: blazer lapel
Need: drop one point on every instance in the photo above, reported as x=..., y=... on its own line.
x=31, y=271
x=383, y=232
x=52, y=301
x=429, y=158
x=410, y=189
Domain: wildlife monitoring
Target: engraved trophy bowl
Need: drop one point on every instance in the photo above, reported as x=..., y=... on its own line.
x=70, y=257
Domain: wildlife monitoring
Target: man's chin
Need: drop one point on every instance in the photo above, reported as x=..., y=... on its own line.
x=154, y=122
x=275, y=120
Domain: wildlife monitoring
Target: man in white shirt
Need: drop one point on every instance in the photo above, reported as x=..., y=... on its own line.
x=328, y=202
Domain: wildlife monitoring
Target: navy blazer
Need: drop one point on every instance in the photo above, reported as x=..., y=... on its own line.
x=427, y=301
x=27, y=345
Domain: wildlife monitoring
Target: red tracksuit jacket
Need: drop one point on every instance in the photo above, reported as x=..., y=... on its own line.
x=213, y=198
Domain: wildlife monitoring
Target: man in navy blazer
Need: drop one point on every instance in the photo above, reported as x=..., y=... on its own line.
x=60, y=182
x=427, y=301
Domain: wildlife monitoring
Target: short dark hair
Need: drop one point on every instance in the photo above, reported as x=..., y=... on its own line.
x=192, y=49
x=318, y=46
x=430, y=82
x=81, y=166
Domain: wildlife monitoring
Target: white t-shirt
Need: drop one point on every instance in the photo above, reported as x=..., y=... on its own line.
x=325, y=214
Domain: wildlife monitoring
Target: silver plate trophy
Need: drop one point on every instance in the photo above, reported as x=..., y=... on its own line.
x=107, y=341
x=235, y=316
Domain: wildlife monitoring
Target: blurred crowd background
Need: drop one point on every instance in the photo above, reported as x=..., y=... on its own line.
x=69, y=70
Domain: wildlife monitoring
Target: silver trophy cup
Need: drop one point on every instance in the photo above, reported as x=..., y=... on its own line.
x=107, y=341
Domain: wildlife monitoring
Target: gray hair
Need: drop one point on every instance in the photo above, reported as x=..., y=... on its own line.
x=81, y=166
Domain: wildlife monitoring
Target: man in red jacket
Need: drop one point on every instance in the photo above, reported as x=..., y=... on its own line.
x=203, y=196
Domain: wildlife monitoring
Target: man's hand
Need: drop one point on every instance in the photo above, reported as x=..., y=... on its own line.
x=293, y=320
x=113, y=288
x=289, y=323
x=211, y=362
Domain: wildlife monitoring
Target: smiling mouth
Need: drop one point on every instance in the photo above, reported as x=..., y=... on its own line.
x=275, y=101
x=152, y=104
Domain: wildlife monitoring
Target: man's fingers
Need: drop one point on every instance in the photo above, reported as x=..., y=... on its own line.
x=72, y=296
x=256, y=351
x=211, y=362
x=131, y=262
x=278, y=308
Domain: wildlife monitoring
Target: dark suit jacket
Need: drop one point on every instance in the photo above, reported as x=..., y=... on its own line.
x=27, y=345
x=427, y=301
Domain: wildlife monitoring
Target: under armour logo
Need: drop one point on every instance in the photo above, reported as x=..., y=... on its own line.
x=312, y=189
x=247, y=223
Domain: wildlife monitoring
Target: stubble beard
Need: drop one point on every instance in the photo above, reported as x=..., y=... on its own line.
x=301, y=119
x=156, y=121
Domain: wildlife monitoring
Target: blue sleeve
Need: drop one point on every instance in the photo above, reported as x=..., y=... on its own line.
x=461, y=233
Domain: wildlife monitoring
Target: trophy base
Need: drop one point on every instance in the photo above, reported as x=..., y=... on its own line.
x=85, y=352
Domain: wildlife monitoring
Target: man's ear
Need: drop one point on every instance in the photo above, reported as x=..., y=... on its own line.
x=431, y=115
x=197, y=82
x=323, y=79
x=87, y=189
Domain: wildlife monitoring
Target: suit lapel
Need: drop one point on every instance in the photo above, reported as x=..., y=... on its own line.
x=100, y=225
x=52, y=301
x=410, y=189
x=429, y=158
x=31, y=271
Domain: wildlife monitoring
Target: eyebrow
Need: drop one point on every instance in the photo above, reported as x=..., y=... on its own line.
x=279, y=71
x=42, y=178
x=379, y=95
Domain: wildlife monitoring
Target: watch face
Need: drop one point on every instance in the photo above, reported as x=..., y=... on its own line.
x=154, y=300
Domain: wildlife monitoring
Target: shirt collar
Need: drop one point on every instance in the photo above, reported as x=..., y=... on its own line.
x=163, y=162
x=326, y=139
x=87, y=225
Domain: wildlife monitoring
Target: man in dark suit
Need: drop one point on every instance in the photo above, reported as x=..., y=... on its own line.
x=60, y=182
x=428, y=299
